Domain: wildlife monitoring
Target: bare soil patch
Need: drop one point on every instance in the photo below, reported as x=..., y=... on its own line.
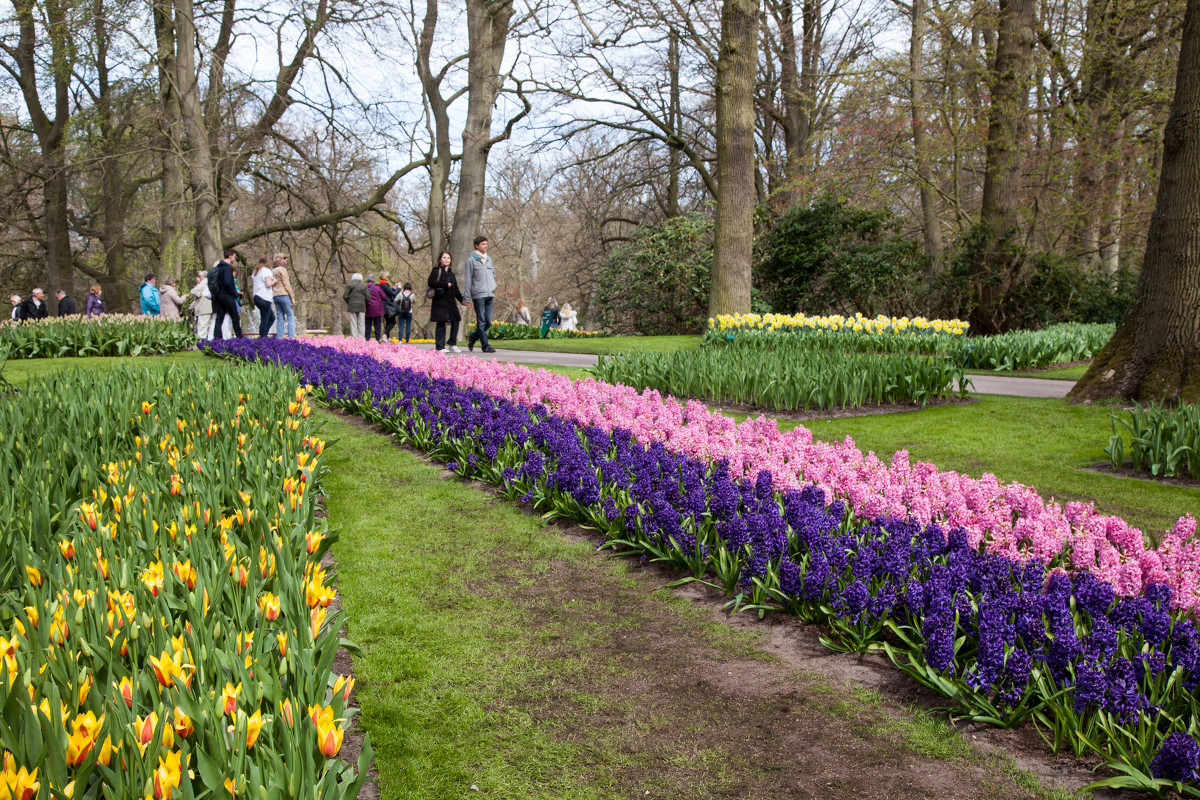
x=1142, y=475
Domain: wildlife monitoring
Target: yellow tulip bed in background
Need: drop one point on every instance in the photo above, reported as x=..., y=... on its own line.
x=165, y=624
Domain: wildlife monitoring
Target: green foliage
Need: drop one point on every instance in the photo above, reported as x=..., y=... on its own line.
x=831, y=256
x=1162, y=441
x=515, y=331
x=1049, y=288
x=110, y=335
x=151, y=520
x=657, y=284
x=791, y=377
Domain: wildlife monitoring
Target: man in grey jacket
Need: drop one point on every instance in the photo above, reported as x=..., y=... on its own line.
x=479, y=286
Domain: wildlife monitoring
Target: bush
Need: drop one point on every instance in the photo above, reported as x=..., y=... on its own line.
x=657, y=284
x=830, y=256
x=513, y=331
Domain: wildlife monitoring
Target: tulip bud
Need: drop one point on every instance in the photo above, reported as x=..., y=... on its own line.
x=79, y=616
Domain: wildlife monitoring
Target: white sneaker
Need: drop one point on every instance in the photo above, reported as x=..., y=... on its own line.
x=455, y=349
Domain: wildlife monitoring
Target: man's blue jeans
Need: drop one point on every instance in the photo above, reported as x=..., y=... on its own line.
x=483, y=320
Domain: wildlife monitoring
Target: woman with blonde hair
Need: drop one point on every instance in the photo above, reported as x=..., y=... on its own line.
x=570, y=317
x=94, y=306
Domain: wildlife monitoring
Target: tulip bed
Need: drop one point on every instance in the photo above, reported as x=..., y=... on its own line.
x=1017, y=350
x=789, y=377
x=109, y=335
x=1006, y=638
x=165, y=628
x=1164, y=441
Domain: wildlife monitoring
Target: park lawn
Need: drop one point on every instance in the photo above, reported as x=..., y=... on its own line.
x=1046, y=444
x=603, y=345
x=19, y=370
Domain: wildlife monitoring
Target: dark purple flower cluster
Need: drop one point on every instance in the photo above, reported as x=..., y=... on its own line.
x=987, y=622
x=1178, y=759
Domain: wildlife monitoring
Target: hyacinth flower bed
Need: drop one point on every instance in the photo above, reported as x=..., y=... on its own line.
x=1006, y=640
x=108, y=335
x=165, y=625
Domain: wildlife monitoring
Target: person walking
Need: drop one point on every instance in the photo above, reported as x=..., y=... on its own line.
x=149, y=295
x=225, y=301
x=356, y=294
x=389, y=303
x=570, y=317
x=33, y=308
x=285, y=315
x=16, y=307
x=376, y=308
x=94, y=305
x=479, y=278
x=202, y=307
x=66, y=306
x=171, y=301
x=405, y=300
x=264, y=295
x=445, y=292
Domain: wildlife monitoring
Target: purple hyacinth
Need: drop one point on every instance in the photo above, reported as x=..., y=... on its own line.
x=1178, y=759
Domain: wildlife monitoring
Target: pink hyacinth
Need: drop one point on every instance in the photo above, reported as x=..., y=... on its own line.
x=1010, y=519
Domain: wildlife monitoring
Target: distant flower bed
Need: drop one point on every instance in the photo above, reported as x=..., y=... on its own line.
x=1015, y=350
x=511, y=331
x=108, y=335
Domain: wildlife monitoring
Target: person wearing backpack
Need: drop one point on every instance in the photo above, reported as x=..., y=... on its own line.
x=405, y=300
x=224, y=299
x=389, y=303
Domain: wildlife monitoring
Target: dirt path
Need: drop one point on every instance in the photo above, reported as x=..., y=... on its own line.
x=637, y=691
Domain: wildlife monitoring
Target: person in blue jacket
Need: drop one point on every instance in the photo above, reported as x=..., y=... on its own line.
x=151, y=301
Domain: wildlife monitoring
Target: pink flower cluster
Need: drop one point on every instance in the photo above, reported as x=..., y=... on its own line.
x=1009, y=519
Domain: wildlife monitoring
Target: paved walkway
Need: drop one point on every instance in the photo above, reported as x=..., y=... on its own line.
x=982, y=384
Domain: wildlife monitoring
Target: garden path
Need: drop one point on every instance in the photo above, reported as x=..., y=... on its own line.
x=983, y=384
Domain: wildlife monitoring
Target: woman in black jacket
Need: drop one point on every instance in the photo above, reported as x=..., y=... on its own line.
x=443, y=309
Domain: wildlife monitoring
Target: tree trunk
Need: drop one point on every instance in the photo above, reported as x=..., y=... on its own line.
x=50, y=133
x=675, y=159
x=795, y=127
x=487, y=34
x=997, y=265
x=172, y=233
x=1155, y=353
x=734, y=236
x=930, y=225
x=198, y=154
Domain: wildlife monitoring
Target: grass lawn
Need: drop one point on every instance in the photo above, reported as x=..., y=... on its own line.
x=22, y=369
x=603, y=345
x=1041, y=443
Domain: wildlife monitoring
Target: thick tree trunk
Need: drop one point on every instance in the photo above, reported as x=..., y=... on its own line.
x=198, y=156
x=930, y=225
x=734, y=236
x=1155, y=353
x=795, y=107
x=999, y=262
x=487, y=34
x=172, y=232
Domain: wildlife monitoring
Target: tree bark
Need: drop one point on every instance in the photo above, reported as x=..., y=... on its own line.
x=440, y=158
x=487, y=34
x=1155, y=353
x=734, y=235
x=50, y=133
x=172, y=232
x=675, y=120
x=999, y=261
x=198, y=155
x=930, y=225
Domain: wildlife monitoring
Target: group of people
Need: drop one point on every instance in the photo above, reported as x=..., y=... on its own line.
x=34, y=306
x=218, y=298
x=375, y=307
